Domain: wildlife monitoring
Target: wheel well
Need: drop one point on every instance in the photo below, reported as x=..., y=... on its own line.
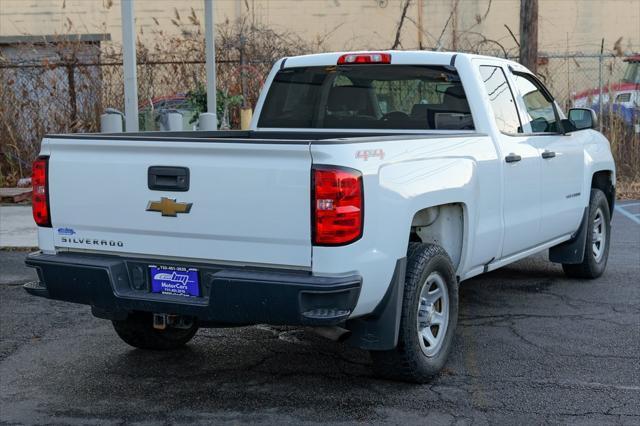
x=442, y=225
x=602, y=181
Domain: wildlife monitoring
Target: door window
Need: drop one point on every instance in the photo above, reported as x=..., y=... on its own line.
x=501, y=98
x=540, y=114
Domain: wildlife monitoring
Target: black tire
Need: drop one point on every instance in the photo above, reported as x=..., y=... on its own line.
x=137, y=330
x=412, y=248
x=592, y=266
x=408, y=362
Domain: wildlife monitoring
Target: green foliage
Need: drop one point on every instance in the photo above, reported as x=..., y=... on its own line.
x=197, y=100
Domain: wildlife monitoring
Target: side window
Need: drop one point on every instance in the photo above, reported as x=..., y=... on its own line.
x=501, y=98
x=540, y=114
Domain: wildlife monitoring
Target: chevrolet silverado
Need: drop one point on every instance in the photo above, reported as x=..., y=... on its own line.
x=368, y=187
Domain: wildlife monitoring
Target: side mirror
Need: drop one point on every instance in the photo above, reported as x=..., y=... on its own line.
x=583, y=118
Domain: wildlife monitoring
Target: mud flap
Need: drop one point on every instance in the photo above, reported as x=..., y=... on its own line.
x=572, y=251
x=379, y=331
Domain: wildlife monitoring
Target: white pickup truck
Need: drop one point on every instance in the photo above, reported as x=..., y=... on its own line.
x=370, y=185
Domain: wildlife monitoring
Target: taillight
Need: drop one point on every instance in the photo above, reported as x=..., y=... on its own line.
x=338, y=205
x=40, y=196
x=364, y=58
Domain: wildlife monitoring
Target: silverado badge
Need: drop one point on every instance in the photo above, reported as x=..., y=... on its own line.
x=168, y=207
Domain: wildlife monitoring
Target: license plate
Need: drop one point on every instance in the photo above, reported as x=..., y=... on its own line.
x=176, y=280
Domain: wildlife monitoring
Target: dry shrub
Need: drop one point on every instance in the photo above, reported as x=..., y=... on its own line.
x=627, y=189
x=66, y=85
x=44, y=88
x=625, y=147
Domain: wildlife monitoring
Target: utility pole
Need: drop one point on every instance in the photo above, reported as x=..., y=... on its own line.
x=529, y=34
x=129, y=62
x=600, y=60
x=209, y=120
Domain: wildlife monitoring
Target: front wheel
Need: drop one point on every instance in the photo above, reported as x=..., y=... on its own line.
x=138, y=331
x=596, y=250
x=428, y=320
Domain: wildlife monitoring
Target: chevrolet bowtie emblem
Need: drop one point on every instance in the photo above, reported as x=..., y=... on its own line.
x=168, y=207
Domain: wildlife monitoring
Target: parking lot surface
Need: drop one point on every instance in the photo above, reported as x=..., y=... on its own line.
x=532, y=346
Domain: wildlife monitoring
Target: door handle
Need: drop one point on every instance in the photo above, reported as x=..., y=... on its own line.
x=548, y=154
x=512, y=158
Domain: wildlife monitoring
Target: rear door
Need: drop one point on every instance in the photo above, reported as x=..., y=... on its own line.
x=245, y=202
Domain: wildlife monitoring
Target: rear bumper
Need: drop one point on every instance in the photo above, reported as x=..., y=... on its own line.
x=114, y=286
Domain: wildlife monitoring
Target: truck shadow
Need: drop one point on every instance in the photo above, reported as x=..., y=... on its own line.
x=251, y=369
x=265, y=366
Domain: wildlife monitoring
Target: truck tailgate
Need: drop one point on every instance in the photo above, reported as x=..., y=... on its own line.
x=250, y=202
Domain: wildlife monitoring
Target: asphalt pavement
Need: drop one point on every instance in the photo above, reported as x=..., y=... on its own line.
x=531, y=347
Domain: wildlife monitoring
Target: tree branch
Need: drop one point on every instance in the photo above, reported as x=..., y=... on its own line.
x=487, y=11
x=396, y=42
x=512, y=35
x=443, y=30
x=424, y=32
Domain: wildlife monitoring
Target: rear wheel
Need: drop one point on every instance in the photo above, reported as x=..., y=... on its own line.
x=596, y=251
x=428, y=320
x=138, y=331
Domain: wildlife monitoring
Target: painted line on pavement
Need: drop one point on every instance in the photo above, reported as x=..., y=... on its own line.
x=627, y=214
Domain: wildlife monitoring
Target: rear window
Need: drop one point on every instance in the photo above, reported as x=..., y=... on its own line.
x=367, y=97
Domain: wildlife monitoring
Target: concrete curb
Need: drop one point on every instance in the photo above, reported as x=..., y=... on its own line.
x=17, y=228
x=19, y=249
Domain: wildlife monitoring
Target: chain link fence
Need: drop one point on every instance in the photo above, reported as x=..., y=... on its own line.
x=61, y=85
x=569, y=76
x=68, y=91
x=69, y=96
x=611, y=86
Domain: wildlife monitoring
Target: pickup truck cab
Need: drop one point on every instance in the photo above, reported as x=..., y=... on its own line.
x=369, y=186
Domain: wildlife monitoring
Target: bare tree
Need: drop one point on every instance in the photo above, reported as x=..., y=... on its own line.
x=529, y=34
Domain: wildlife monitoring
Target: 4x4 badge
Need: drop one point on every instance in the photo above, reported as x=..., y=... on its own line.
x=168, y=207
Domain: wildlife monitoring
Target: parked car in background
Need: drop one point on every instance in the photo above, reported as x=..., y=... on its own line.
x=621, y=100
x=369, y=186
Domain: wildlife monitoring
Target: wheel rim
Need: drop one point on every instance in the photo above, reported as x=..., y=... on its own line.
x=598, y=236
x=433, y=314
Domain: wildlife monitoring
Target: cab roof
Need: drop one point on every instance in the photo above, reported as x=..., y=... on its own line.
x=398, y=57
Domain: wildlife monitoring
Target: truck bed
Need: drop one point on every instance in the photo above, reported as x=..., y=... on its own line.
x=246, y=197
